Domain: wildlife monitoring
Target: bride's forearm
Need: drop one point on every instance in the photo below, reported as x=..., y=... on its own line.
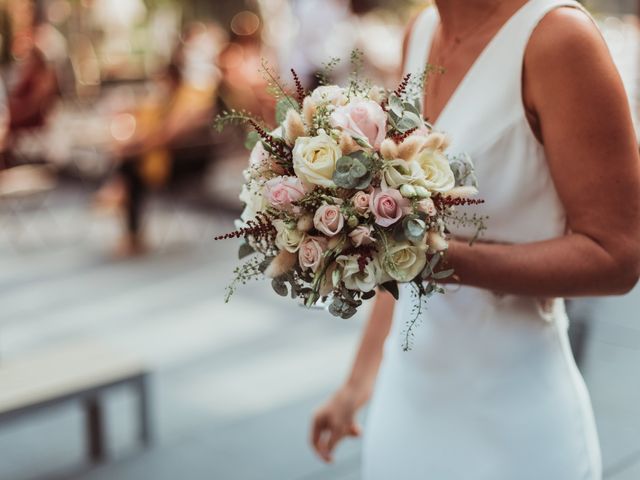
x=367, y=362
x=570, y=266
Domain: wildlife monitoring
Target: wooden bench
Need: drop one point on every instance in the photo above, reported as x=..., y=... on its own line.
x=78, y=372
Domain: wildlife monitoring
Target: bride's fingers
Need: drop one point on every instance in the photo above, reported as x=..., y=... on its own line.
x=354, y=430
x=336, y=435
x=318, y=427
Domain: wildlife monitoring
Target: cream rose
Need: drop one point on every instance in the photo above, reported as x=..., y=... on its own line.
x=353, y=278
x=427, y=206
x=464, y=191
x=311, y=251
x=438, y=174
x=360, y=202
x=314, y=159
x=329, y=94
x=403, y=261
x=396, y=173
x=328, y=219
x=288, y=237
x=436, y=242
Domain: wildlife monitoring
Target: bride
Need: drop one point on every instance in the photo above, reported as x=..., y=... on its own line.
x=490, y=390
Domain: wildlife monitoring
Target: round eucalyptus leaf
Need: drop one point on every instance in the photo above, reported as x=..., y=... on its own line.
x=358, y=169
x=279, y=287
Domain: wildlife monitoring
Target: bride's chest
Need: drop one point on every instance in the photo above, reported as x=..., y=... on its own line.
x=521, y=201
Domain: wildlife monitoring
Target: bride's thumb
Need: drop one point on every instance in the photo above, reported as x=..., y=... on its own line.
x=355, y=430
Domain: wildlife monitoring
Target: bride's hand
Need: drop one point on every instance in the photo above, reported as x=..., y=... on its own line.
x=333, y=421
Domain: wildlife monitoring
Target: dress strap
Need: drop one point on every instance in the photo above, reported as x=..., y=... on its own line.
x=420, y=41
x=493, y=85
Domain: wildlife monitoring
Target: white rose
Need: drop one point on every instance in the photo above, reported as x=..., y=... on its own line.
x=314, y=159
x=464, y=191
x=396, y=173
x=353, y=278
x=436, y=242
x=329, y=94
x=427, y=206
x=403, y=261
x=438, y=174
x=251, y=195
x=287, y=237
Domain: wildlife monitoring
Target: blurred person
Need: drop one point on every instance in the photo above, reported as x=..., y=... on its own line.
x=490, y=390
x=5, y=120
x=167, y=139
x=244, y=86
x=36, y=87
x=325, y=29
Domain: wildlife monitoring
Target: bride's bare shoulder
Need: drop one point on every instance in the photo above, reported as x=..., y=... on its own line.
x=567, y=60
x=567, y=36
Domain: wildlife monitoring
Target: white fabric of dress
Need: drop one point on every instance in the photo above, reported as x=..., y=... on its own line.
x=489, y=390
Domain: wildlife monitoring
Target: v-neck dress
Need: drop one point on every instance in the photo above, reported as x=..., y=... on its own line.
x=489, y=390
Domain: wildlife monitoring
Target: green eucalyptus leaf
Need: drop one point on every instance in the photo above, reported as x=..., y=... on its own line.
x=368, y=295
x=343, y=180
x=348, y=313
x=410, y=107
x=395, y=105
x=283, y=106
x=343, y=165
x=265, y=264
x=358, y=170
x=364, y=182
x=414, y=117
x=433, y=263
x=414, y=228
x=392, y=288
x=362, y=142
x=405, y=124
x=443, y=274
x=417, y=105
x=252, y=139
x=245, y=250
x=279, y=287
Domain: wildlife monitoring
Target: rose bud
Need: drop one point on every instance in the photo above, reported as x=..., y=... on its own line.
x=408, y=191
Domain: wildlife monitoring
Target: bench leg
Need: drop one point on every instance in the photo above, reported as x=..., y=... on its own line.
x=95, y=430
x=143, y=412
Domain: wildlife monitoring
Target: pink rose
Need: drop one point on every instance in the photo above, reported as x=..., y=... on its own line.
x=363, y=119
x=387, y=206
x=328, y=220
x=361, y=202
x=310, y=253
x=361, y=235
x=281, y=192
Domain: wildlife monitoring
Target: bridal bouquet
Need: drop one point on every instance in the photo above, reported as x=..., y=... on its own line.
x=351, y=192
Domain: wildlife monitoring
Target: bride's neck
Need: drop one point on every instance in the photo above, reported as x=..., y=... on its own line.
x=458, y=16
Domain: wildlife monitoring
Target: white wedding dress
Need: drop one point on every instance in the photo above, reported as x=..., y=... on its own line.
x=490, y=390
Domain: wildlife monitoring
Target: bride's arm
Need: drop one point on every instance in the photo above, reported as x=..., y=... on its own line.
x=336, y=419
x=579, y=104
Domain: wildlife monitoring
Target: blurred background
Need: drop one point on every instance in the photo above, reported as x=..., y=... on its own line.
x=118, y=357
